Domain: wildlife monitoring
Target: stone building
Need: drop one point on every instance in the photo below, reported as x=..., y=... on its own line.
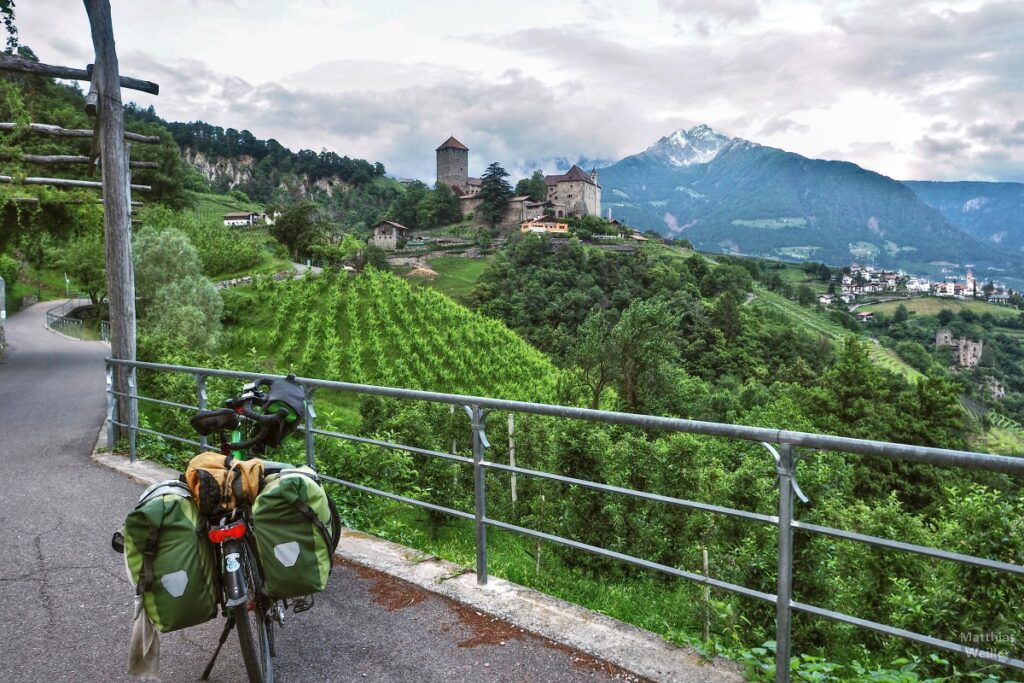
x=575, y=193
x=966, y=352
x=386, y=234
x=453, y=165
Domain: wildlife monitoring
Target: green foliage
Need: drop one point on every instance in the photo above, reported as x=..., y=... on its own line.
x=186, y=313
x=374, y=328
x=220, y=249
x=299, y=227
x=7, y=11
x=84, y=260
x=161, y=257
x=533, y=187
x=273, y=163
x=9, y=269
x=181, y=308
x=495, y=191
x=420, y=208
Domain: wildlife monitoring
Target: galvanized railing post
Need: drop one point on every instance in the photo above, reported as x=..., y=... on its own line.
x=477, y=415
x=201, y=395
x=111, y=409
x=310, y=415
x=784, y=591
x=133, y=413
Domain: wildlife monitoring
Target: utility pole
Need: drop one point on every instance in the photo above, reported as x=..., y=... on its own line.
x=117, y=220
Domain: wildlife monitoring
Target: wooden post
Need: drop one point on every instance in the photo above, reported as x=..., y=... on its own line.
x=117, y=220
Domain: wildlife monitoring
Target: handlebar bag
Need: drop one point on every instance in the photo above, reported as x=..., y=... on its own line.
x=284, y=393
x=168, y=558
x=297, y=530
x=219, y=483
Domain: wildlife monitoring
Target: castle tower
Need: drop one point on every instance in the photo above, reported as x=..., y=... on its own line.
x=453, y=164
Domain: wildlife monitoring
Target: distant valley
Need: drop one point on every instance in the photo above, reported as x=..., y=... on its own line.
x=735, y=196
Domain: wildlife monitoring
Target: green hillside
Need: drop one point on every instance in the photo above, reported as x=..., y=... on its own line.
x=931, y=305
x=377, y=329
x=809, y=319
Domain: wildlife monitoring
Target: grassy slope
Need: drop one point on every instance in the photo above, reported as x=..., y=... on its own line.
x=456, y=275
x=931, y=305
x=46, y=284
x=209, y=204
x=810, y=319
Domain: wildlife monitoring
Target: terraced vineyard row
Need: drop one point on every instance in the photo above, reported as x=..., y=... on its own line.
x=376, y=329
x=879, y=355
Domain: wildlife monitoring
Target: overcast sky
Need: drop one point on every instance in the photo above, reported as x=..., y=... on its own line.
x=915, y=90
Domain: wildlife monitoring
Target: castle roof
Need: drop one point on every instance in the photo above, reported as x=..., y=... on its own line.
x=574, y=173
x=451, y=143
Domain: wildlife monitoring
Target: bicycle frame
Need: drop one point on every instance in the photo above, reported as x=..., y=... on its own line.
x=241, y=579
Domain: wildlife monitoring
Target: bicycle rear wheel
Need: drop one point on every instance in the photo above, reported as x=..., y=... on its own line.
x=254, y=631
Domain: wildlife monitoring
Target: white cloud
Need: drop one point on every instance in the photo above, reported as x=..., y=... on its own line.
x=903, y=88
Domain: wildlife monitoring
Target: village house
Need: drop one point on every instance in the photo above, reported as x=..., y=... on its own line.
x=243, y=219
x=918, y=285
x=387, y=234
x=545, y=224
x=865, y=316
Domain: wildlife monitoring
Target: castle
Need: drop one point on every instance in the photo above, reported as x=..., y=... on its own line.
x=575, y=193
x=966, y=353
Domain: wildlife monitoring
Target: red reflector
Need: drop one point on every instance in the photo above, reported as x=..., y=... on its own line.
x=219, y=534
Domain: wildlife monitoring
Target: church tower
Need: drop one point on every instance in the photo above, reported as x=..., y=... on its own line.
x=453, y=164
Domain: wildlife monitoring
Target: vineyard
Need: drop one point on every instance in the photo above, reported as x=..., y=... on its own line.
x=375, y=328
x=883, y=357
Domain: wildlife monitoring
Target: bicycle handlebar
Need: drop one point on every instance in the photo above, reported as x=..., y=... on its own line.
x=265, y=422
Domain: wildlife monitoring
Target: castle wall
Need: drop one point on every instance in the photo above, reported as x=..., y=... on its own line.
x=576, y=197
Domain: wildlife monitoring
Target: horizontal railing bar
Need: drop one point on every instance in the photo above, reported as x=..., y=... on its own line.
x=392, y=446
x=681, y=502
x=959, y=648
x=148, y=399
x=911, y=548
x=156, y=433
x=925, y=454
x=646, y=564
x=395, y=496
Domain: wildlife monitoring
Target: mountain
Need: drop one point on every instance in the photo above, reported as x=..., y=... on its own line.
x=993, y=212
x=736, y=196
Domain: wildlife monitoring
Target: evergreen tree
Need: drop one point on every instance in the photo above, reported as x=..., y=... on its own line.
x=495, y=191
x=533, y=187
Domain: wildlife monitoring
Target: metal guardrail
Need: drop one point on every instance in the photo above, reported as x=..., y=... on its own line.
x=781, y=444
x=105, y=331
x=57, y=317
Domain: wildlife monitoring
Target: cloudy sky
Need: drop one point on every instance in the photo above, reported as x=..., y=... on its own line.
x=912, y=89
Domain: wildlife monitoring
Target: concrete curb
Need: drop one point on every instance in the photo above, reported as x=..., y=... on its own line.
x=633, y=649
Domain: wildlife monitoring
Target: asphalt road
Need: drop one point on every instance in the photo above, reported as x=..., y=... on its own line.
x=66, y=603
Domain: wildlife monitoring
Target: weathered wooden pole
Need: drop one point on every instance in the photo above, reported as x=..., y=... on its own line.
x=117, y=220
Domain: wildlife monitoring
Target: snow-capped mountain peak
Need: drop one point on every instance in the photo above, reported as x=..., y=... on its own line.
x=699, y=145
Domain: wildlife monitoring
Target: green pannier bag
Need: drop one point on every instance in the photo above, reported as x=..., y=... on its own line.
x=169, y=559
x=297, y=530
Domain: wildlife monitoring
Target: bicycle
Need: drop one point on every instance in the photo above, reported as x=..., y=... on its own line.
x=246, y=604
